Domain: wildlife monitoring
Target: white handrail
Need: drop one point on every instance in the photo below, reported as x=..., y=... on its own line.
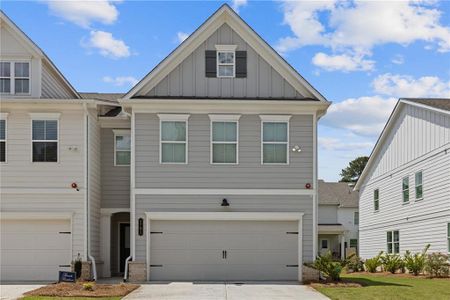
x=94, y=267
x=125, y=275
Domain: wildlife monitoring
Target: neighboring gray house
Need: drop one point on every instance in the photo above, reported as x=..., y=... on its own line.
x=405, y=187
x=338, y=218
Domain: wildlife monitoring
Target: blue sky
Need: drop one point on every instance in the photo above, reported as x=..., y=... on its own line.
x=362, y=56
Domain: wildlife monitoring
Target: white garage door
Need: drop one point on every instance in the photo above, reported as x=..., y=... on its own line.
x=34, y=249
x=223, y=250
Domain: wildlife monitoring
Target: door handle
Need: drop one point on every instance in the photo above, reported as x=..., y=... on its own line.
x=223, y=254
x=226, y=254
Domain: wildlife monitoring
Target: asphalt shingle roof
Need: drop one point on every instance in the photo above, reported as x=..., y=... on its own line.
x=443, y=103
x=337, y=193
x=111, y=97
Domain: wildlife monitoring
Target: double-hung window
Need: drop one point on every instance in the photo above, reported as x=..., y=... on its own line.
x=226, y=61
x=224, y=139
x=393, y=241
x=3, y=137
x=419, y=185
x=405, y=189
x=122, y=147
x=275, y=139
x=44, y=138
x=356, y=218
x=15, y=77
x=174, y=136
x=354, y=243
x=376, y=200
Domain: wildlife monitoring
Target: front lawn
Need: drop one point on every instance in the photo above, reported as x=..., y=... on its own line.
x=388, y=286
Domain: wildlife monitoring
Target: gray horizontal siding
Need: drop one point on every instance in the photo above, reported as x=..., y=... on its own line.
x=115, y=179
x=199, y=173
x=188, y=78
x=52, y=86
x=211, y=203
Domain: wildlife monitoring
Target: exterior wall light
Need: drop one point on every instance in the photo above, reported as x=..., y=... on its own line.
x=225, y=203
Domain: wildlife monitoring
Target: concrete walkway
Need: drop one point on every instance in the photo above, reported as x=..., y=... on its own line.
x=225, y=291
x=12, y=291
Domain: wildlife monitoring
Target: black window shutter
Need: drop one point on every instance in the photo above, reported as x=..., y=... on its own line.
x=210, y=63
x=241, y=64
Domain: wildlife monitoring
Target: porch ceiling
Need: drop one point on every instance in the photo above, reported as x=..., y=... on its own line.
x=331, y=229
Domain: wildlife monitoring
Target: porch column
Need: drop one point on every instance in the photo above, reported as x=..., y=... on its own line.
x=342, y=236
x=105, y=243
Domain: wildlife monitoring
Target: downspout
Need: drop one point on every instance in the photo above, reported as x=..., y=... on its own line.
x=86, y=192
x=125, y=275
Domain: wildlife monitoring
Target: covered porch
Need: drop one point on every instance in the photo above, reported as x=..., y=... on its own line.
x=331, y=237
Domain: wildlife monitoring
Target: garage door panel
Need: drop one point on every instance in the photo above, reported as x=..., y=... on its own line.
x=258, y=257
x=34, y=257
x=263, y=272
x=18, y=240
x=188, y=272
x=34, y=273
x=181, y=256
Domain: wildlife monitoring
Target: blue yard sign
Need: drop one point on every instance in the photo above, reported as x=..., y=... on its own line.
x=65, y=276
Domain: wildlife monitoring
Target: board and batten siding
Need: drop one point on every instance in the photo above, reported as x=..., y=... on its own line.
x=188, y=78
x=211, y=203
x=199, y=173
x=420, y=141
x=52, y=86
x=115, y=179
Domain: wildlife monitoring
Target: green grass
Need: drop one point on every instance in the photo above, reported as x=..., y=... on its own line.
x=68, y=298
x=384, y=287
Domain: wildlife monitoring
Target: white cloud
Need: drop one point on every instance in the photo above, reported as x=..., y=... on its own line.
x=121, y=80
x=365, y=116
x=107, y=45
x=408, y=86
x=236, y=4
x=358, y=26
x=85, y=12
x=343, y=62
x=181, y=36
x=398, y=59
x=333, y=144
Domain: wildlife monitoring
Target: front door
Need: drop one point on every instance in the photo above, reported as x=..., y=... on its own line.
x=124, y=245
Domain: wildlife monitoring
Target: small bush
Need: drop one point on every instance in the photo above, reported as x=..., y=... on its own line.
x=88, y=286
x=355, y=264
x=416, y=263
x=330, y=268
x=372, y=264
x=392, y=262
x=437, y=265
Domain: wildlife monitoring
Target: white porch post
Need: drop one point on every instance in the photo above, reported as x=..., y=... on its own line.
x=105, y=243
x=342, y=246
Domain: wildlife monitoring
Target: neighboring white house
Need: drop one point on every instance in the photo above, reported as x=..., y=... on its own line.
x=338, y=218
x=405, y=188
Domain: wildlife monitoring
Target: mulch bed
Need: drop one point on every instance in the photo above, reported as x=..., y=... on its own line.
x=77, y=290
x=341, y=284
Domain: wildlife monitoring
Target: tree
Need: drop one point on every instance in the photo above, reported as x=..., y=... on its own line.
x=354, y=169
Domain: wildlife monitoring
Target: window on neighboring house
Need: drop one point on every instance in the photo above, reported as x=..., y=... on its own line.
x=419, y=185
x=324, y=244
x=275, y=139
x=45, y=140
x=405, y=189
x=226, y=65
x=224, y=141
x=122, y=147
x=2, y=140
x=356, y=218
x=173, y=145
x=376, y=199
x=393, y=241
x=15, y=78
x=354, y=243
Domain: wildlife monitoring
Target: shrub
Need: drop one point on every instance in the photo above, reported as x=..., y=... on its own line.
x=372, y=264
x=355, y=264
x=416, y=263
x=88, y=286
x=330, y=268
x=392, y=262
x=437, y=265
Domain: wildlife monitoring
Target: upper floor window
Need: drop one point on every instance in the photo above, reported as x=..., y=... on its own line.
x=393, y=241
x=3, y=140
x=224, y=139
x=122, y=147
x=354, y=243
x=376, y=200
x=356, y=218
x=419, y=185
x=405, y=189
x=173, y=135
x=45, y=140
x=226, y=60
x=15, y=78
x=275, y=139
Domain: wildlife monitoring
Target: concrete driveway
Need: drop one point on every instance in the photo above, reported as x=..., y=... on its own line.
x=225, y=291
x=12, y=291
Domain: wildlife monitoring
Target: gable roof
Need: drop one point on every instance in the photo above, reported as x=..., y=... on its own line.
x=337, y=193
x=225, y=14
x=441, y=105
x=30, y=45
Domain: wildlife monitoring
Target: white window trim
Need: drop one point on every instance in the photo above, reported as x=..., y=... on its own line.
x=378, y=200
x=226, y=49
x=403, y=191
x=174, y=118
x=121, y=132
x=4, y=116
x=415, y=186
x=229, y=119
x=12, y=76
x=275, y=119
x=393, y=242
x=354, y=214
x=45, y=117
x=448, y=238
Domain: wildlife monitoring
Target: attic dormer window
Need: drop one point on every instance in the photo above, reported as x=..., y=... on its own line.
x=226, y=61
x=15, y=77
